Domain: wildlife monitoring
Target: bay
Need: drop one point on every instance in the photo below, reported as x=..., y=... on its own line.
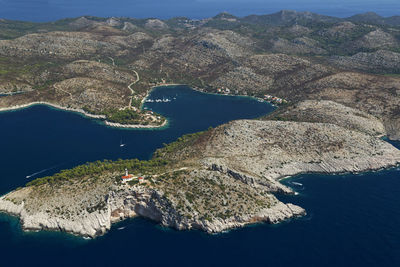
x=353, y=220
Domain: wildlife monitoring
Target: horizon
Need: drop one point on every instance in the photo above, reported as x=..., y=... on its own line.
x=222, y=12
x=52, y=10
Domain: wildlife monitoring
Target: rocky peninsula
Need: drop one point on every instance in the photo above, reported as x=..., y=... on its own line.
x=339, y=76
x=215, y=180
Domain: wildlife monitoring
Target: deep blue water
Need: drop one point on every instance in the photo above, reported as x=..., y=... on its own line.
x=47, y=10
x=353, y=220
x=40, y=137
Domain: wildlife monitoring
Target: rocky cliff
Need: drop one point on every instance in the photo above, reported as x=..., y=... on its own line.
x=91, y=212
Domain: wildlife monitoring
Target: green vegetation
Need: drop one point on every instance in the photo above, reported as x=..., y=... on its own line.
x=395, y=75
x=100, y=167
x=136, y=102
x=334, y=44
x=14, y=67
x=184, y=141
x=126, y=116
x=10, y=29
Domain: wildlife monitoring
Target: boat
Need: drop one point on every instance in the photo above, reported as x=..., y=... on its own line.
x=121, y=144
x=296, y=183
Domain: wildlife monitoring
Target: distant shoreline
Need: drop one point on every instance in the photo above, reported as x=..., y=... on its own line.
x=84, y=113
x=114, y=124
x=80, y=111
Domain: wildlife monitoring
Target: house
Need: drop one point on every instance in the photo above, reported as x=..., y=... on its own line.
x=127, y=177
x=141, y=179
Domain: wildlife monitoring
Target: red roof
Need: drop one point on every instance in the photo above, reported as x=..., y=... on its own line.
x=127, y=177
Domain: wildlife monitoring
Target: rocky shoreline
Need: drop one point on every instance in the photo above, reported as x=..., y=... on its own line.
x=81, y=111
x=126, y=203
x=136, y=126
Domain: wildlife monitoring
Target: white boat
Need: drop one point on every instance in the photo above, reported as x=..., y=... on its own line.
x=296, y=183
x=121, y=144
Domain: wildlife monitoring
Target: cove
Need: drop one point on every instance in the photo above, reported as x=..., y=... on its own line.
x=352, y=220
x=39, y=140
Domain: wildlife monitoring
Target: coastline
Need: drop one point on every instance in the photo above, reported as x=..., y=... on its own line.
x=143, y=203
x=149, y=203
x=119, y=125
x=161, y=85
x=100, y=223
x=80, y=111
x=86, y=114
x=135, y=126
x=197, y=89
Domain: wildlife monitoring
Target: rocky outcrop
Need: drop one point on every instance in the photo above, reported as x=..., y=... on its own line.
x=156, y=24
x=113, y=22
x=129, y=27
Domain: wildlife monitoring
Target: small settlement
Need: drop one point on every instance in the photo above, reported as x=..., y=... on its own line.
x=274, y=99
x=268, y=98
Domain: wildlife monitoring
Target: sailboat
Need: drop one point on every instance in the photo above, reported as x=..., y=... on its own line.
x=121, y=144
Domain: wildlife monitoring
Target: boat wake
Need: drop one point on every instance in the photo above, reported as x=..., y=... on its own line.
x=42, y=171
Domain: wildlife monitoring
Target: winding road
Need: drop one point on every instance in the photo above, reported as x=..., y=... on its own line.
x=130, y=88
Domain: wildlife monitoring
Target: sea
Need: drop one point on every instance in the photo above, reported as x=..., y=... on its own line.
x=50, y=10
x=352, y=219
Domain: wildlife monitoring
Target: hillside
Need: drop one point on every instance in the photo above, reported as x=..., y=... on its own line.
x=107, y=66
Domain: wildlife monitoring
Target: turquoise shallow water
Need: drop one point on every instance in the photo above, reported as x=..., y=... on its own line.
x=353, y=220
